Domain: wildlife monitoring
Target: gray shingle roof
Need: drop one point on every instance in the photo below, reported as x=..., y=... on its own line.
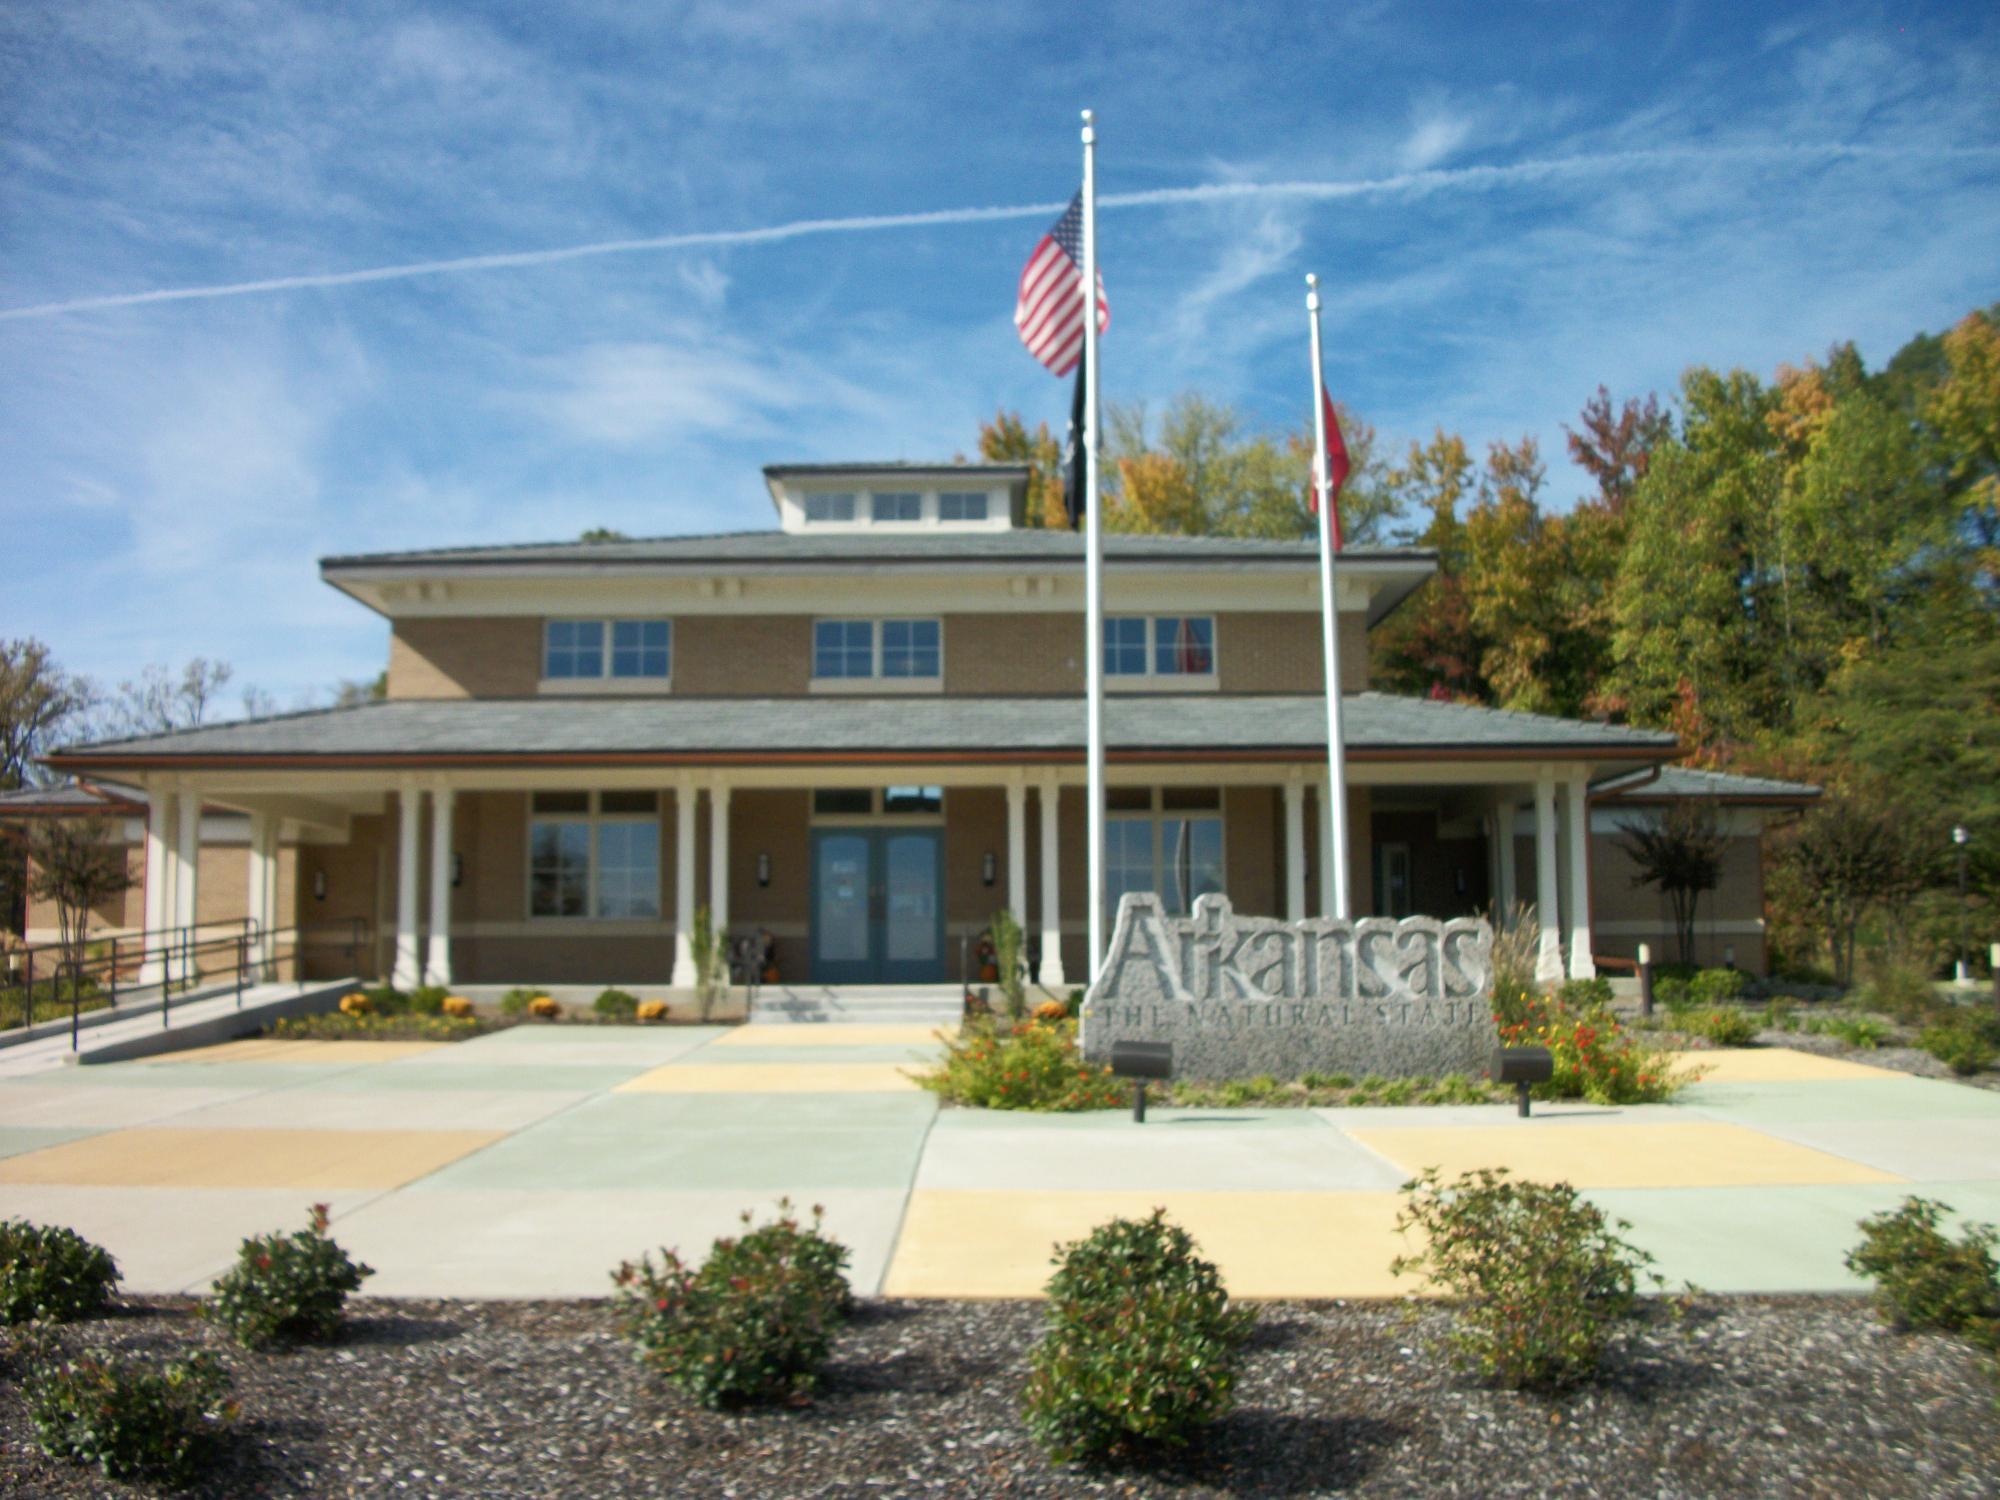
x=66, y=797
x=1686, y=781
x=744, y=728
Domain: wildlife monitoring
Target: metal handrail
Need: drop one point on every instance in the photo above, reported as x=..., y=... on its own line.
x=179, y=951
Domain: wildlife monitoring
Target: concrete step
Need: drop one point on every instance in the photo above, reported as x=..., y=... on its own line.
x=910, y=1005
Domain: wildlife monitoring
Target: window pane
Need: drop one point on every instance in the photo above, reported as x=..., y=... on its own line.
x=1191, y=799
x=562, y=802
x=1184, y=645
x=844, y=648
x=843, y=800
x=575, y=648
x=1128, y=859
x=829, y=507
x=912, y=799
x=956, y=505
x=1129, y=798
x=1124, y=648
x=558, y=869
x=628, y=869
x=628, y=802
x=910, y=648
x=641, y=648
x=899, y=507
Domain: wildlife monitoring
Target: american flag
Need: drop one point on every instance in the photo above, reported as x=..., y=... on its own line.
x=1049, y=311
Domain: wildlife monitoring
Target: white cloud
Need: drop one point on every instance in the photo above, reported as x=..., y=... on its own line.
x=1434, y=136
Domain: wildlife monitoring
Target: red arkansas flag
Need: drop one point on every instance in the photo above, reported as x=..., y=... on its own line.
x=1336, y=469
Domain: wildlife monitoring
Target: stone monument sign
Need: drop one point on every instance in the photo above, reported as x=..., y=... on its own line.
x=1238, y=996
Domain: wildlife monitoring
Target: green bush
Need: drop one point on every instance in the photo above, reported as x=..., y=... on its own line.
x=1141, y=1343
x=335, y=1027
x=1901, y=990
x=1724, y=1025
x=1595, y=1057
x=1034, y=1065
x=1959, y=1048
x=1864, y=1032
x=386, y=1000
x=1715, y=986
x=53, y=1273
x=1671, y=994
x=755, y=1322
x=515, y=1001
x=1539, y=1277
x=616, y=1005
x=287, y=1288
x=427, y=1000
x=1579, y=994
x=133, y=1421
x=1923, y=1281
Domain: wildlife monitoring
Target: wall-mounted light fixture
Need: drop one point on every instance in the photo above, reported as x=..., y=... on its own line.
x=457, y=869
x=764, y=868
x=988, y=867
x=319, y=885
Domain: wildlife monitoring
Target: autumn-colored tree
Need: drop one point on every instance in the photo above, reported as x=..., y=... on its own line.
x=1964, y=411
x=1614, y=446
x=1008, y=440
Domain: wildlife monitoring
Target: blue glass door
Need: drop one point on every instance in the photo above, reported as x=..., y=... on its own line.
x=878, y=905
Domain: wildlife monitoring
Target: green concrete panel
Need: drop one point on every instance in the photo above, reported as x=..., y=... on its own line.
x=16, y=1140
x=1120, y=1118
x=1859, y=1099
x=524, y=1075
x=243, y=1075
x=726, y=1057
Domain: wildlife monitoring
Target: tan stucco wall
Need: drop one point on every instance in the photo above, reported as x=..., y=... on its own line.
x=497, y=657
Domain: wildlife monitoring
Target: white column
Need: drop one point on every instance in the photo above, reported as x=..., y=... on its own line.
x=257, y=890
x=1581, y=965
x=1295, y=851
x=159, y=879
x=437, y=955
x=718, y=861
x=1548, y=902
x=1051, y=973
x=408, y=970
x=1327, y=884
x=683, y=975
x=1017, y=851
x=187, y=874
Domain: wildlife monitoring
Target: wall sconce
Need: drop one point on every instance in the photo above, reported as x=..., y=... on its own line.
x=988, y=867
x=457, y=869
x=764, y=868
x=319, y=885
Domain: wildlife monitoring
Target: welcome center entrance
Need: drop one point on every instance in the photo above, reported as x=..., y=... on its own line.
x=878, y=886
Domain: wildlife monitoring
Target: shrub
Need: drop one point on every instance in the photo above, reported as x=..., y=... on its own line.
x=133, y=1421
x=50, y=1272
x=356, y=1004
x=544, y=1007
x=1901, y=990
x=1031, y=1066
x=1539, y=1276
x=385, y=1000
x=335, y=1028
x=1724, y=1025
x=517, y=1000
x=1923, y=1280
x=1580, y=994
x=1595, y=1057
x=1141, y=1342
x=1051, y=1010
x=1005, y=935
x=616, y=1005
x=428, y=1000
x=1959, y=1048
x=287, y=1288
x=1714, y=986
x=456, y=1006
x=1863, y=1032
x=651, y=1010
x=754, y=1322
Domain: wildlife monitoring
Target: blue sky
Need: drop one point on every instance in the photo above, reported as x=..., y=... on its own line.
x=1508, y=204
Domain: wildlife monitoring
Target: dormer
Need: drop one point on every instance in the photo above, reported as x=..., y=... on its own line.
x=874, y=499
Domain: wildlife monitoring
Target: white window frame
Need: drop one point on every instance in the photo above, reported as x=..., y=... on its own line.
x=1152, y=680
x=984, y=497
x=852, y=497
x=875, y=682
x=1154, y=817
x=924, y=499
x=605, y=682
x=596, y=818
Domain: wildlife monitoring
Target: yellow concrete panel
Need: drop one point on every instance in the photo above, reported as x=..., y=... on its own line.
x=262, y=1049
x=306, y=1159
x=1778, y=1065
x=828, y=1036
x=772, y=1078
x=1268, y=1245
x=1691, y=1154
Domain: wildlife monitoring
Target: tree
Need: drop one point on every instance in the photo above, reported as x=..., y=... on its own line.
x=1682, y=855
x=1964, y=410
x=1614, y=448
x=1852, y=854
x=602, y=534
x=162, y=701
x=38, y=701
x=1007, y=440
x=73, y=863
x=1430, y=646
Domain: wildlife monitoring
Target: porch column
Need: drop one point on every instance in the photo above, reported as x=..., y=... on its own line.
x=407, y=972
x=159, y=896
x=1581, y=965
x=1051, y=974
x=683, y=975
x=1295, y=851
x=1017, y=852
x=437, y=957
x=718, y=862
x=187, y=870
x=258, y=894
x=1549, y=956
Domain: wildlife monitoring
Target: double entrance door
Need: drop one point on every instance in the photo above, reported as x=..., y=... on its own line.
x=878, y=905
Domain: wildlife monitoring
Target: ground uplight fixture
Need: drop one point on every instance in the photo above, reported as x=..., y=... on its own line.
x=1140, y=1062
x=1523, y=1067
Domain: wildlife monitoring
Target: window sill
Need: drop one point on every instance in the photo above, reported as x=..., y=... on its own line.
x=1206, y=682
x=612, y=687
x=877, y=686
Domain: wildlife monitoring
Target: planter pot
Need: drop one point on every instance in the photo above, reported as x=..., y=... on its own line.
x=989, y=973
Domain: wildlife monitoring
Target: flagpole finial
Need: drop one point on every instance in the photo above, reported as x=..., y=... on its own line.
x=1312, y=293
x=1089, y=127
x=1312, y=282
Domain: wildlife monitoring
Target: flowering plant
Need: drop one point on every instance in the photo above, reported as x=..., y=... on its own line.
x=287, y=1288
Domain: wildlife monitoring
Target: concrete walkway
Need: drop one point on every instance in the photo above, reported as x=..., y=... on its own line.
x=528, y=1163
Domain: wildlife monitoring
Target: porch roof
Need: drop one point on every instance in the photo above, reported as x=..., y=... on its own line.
x=1679, y=783
x=777, y=731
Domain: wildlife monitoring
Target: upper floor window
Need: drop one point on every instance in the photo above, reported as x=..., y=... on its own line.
x=576, y=650
x=830, y=507
x=1160, y=646
x=904, y=506
x=897, y=650
x=962, y=505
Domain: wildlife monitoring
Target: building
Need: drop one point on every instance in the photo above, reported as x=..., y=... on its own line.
x=863, y=733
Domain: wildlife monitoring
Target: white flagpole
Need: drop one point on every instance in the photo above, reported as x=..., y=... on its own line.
x=1333, y=893
x=1093, y=562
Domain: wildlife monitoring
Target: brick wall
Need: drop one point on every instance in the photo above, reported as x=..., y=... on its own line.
x=500, y=657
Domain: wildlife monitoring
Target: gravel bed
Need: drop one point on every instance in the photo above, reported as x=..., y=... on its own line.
x=1736, y=1396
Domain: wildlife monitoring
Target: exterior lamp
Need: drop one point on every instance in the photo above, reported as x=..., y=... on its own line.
x=988, y=867
x=764, y=867
x=457, y=869
x=319, y=885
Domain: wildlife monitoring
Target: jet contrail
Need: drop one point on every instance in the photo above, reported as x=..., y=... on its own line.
x=1410, y=183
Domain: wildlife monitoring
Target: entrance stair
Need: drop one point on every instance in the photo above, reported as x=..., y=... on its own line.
x=856, y=1004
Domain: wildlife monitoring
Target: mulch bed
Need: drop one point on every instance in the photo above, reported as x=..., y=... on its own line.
x=1738, y=1396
